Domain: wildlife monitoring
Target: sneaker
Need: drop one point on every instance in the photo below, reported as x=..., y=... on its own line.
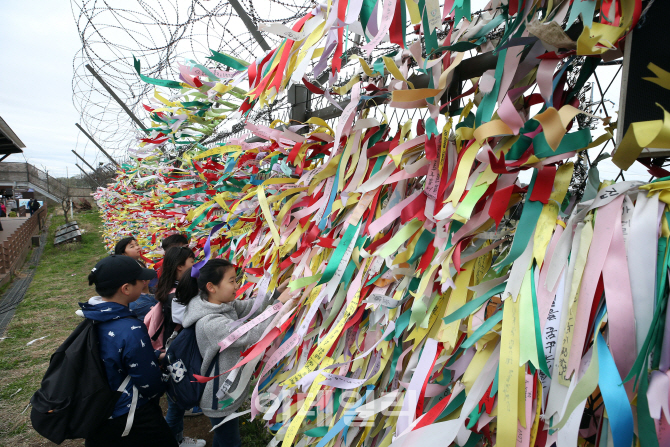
x=195, y=411
x=190, y=442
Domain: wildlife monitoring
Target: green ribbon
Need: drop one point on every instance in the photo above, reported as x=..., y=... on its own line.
x=377, y=135
x=403, y=19
x=486, y=106
x=421, y=245
x=338, y=254
x=430, y=39
x=366, y=11
x=661, y=266
x=224, y=403
x=646, y=428
x=160, y=82
x=474, y=416
x=462, y=10
x=529, y=216
x=431, y=127
x=453, y=405
x=656, y=325
x=538, y=333
x=189, y=192
x=517, y=23
x=493, y=24
x=471, y=306
x=196, y=104
x=570, y=142
x=199, y=219
x=397, y=350
x=483, y=329
x=524, y=141
x=188, y=202
x=400, y=325
x=229, y=61
x=317, y=432
x=381, y=273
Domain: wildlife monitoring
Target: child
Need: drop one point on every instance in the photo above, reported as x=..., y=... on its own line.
x=211, y=307
x=125, y=349
x=177, y=260
x=175, y=240
x=130, y=247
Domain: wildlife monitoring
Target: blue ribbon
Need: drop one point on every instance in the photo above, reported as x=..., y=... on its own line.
x=346, y=419
x=614, y=396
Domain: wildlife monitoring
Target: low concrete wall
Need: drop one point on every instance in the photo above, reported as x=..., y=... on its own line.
x=13, y=250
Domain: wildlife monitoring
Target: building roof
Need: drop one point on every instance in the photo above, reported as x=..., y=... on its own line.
x=10, y=143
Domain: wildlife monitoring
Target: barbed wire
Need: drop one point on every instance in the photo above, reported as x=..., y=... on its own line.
x=162, y=34
x=158, y=34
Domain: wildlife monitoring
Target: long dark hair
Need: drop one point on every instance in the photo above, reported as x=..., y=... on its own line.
x=120, y=247
x=174, y=258
x=213, y=271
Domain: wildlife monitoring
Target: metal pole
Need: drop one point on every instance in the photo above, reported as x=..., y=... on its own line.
x=111, y=92
x=96, y=143
x=91, y=178
x=82, y=159
x=249, y=24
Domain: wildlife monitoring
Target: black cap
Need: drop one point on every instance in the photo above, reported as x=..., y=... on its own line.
x=117, y=270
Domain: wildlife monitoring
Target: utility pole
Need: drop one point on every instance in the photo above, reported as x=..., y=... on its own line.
x=121, y=103
x=96, y=143
x=90, y=178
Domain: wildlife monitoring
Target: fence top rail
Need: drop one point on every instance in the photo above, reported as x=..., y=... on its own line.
x=34, y=175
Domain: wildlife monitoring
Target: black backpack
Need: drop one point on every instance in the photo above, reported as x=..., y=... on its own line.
x=183, y=361
x=74, y=397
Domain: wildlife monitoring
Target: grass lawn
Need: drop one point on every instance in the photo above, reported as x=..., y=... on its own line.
x=60, y=282
x=47, y=310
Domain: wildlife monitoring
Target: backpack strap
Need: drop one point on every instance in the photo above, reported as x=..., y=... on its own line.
x=215, y=385
x=133, y=405
x=124, y=384
x=176, y=332
x=215, y=361
x=158, y=332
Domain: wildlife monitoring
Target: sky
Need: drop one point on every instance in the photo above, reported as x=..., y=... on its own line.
x=38, y=44
x=38, y=41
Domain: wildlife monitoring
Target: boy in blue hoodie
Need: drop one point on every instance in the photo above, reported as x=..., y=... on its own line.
x=125, y=349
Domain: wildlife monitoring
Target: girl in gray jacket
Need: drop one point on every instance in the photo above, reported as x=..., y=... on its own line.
x=212, y=308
